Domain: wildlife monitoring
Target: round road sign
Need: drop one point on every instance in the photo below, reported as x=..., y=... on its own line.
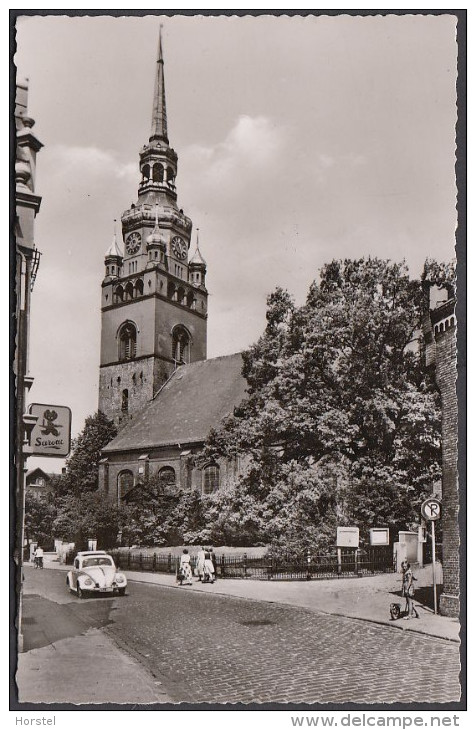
x=431, y=509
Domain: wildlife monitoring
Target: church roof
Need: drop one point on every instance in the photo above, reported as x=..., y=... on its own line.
x=193, y=401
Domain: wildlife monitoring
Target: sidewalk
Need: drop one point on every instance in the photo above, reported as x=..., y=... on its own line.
x=367, y=598
x=63, y=672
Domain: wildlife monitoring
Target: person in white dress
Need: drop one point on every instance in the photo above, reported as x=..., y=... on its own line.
x=185, y=567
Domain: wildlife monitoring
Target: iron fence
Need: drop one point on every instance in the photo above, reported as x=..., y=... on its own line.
x=352, y=563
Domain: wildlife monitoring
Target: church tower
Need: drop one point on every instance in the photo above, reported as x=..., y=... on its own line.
x=154, y=300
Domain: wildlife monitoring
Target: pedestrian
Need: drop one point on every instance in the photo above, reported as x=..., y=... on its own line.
x=200, y=563
x=38, y=557
x=208, y=569
x=185, y=567
x=408, y=590
x=214, y=561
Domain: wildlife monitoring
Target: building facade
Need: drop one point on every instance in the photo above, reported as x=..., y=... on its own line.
x=27, y=257
x=154, y=296
x=37, y=483
x=441, y=356
x=163, y=439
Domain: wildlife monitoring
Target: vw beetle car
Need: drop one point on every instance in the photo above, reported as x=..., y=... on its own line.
x=94, y=572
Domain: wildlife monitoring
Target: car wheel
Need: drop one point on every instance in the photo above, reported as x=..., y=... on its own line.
x=122, y=591
x=81, y=593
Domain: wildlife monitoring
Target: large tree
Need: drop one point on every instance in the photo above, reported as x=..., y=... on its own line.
x=79, y=518
x=40, y=513
x=82, y=466
x=342, y=423
x=81, y=512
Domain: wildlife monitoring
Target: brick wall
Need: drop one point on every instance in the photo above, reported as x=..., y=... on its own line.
x=444, y=332
x=142, y=378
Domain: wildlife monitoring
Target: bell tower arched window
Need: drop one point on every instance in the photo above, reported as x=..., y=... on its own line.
x=157, y=173
x=127, y=341
x=138, y=288
x=180, y=346
x=118, y=295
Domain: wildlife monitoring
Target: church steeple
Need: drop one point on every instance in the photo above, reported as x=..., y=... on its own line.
x=159, y=112
x=154, y=301
x=158, y=161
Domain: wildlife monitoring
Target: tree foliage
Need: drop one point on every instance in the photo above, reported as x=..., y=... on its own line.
x=87, y=516
x=82, y=513
x=40, y=513
x=82, y=466
x=342, y=422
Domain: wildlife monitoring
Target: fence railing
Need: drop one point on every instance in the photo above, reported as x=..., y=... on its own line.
x=310, y=567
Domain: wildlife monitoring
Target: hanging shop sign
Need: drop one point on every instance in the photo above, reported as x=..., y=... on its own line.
x=51, y=435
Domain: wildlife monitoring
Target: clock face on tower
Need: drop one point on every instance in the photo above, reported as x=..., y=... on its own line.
x=179, y=247
x=133, y=242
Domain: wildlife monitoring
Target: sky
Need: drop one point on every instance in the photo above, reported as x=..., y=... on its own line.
x=299, y=140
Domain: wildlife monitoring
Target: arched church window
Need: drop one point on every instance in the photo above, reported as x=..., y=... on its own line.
x=170, y=175
x=171, y=290
x=167, y=477
x=129, y=291
x=181, y=295
x=146, y=172
x=180, y=346
x=125, y=401
x=118, y=295
x=127, y=341
x=125, y=482
x=211, y=478
x=190, y=300
x=157, y=173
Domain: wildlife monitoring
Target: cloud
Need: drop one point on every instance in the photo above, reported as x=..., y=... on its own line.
x=252, y=147
x=91, y=162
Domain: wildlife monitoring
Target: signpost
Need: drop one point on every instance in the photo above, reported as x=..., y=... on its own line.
x=346, y=537
x=431, y=511
x=379, y=536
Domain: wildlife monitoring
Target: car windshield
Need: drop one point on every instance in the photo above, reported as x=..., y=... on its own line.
x=89, y=562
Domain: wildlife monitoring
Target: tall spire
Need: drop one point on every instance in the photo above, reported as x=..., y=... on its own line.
x=114, y=250
x=197, y=258
x=159, y=113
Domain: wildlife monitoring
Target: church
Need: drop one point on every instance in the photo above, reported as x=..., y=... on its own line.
x=155, y=382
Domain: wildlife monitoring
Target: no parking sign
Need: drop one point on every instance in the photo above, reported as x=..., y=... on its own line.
x=431, y=509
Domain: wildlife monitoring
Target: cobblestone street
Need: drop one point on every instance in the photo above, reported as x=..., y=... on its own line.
x=187, y=646
x=210, y=648
x=196, y=647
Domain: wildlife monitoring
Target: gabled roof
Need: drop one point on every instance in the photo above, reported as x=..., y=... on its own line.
x=37, y=471
x=194, y=400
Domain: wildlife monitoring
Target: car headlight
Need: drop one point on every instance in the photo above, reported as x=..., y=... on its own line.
x=88, y=582
x=120, y=578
